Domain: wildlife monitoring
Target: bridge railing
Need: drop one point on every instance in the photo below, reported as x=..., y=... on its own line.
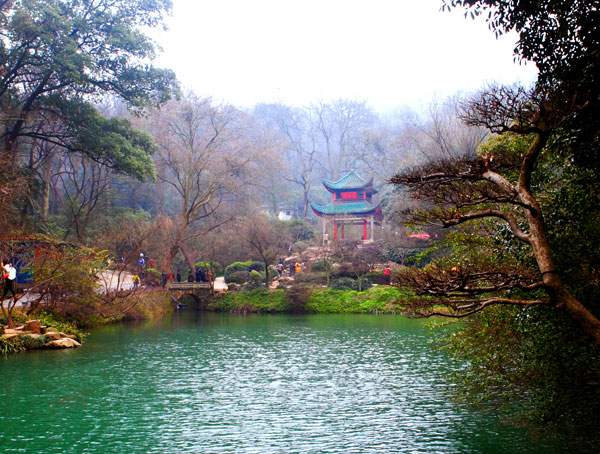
x=189, y=285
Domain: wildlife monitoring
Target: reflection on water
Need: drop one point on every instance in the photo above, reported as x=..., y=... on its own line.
x=206, y=383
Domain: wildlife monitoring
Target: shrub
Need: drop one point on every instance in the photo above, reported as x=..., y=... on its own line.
x=273, y=271
x=237, y=277
x=300, y=246
x=377, y=277
x=10, y=346
x=365, y=284
x=17, y=316
x=343, y=283
x=61, y=324
x=299, y=229
x=255, y=276
x=344, y=270
x=255, y=280
x=254, y=285
x=311, y=278
x=235, y=267
x=256, y=266
x=322, y=265
x=298, y=296
x=34, y=343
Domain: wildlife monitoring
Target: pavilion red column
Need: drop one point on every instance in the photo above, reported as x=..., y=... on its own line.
x=364, y=229
x=335, y=231
x=342, y=230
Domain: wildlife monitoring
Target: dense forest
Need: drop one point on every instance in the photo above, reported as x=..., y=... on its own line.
x=107, y=157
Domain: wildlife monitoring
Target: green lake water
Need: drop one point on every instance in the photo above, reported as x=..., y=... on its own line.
x=210, y=383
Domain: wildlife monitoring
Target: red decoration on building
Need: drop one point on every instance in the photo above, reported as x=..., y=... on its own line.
x=420, y=236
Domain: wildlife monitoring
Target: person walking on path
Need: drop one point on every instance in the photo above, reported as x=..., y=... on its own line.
x=136, y=281
x=297, y=267
x=178, y=275
x=10, y=279
x=387, y=273
x=292, y=269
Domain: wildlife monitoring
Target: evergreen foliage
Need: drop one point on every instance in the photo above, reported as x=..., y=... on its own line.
x=237, y=267
x=533, y=364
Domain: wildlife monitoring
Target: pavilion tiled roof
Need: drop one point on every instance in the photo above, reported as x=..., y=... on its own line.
x=360, y=207
x=351, y=180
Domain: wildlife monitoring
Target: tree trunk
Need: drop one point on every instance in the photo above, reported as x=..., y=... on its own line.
x=8, y=313
x=188, y=258
x=267, y=280
x=557, y=289
x=170, y=257
x=572, y=306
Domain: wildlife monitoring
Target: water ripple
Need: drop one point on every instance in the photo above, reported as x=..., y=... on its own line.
x=223, y=384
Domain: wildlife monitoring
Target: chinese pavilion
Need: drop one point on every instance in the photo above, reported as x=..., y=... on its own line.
x=352, y=204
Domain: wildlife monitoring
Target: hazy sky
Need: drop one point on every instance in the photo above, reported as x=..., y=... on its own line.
x=391, y=53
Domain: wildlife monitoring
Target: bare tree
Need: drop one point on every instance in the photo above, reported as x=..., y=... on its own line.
x=207, y=154
x=298, y=142
x=340, y=126
x=85, y=185
x=266, y=238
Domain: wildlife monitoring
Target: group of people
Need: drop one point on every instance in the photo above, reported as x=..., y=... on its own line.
x=199, y=276
x=294, y=267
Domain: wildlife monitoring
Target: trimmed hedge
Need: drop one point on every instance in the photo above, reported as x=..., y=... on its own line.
x=237, y=277
x=235, y=267
x=257, y=266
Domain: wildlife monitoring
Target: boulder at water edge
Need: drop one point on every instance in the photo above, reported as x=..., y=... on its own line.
x=63, y=343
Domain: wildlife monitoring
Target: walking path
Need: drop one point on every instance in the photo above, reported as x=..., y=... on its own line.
x=113, y=280
x=220, y=285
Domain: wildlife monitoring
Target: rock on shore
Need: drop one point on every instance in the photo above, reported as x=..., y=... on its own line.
x=34, y=329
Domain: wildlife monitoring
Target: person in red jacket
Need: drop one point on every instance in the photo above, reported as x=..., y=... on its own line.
x=386, y=273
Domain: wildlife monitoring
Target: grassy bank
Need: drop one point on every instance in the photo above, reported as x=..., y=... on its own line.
x=378, y=299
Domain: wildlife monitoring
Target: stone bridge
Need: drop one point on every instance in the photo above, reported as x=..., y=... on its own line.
x=201, y=292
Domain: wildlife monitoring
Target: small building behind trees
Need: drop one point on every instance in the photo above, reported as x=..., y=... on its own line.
x=354, y=203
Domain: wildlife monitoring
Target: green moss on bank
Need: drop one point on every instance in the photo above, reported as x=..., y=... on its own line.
x=253, y=301
x=375, y=300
